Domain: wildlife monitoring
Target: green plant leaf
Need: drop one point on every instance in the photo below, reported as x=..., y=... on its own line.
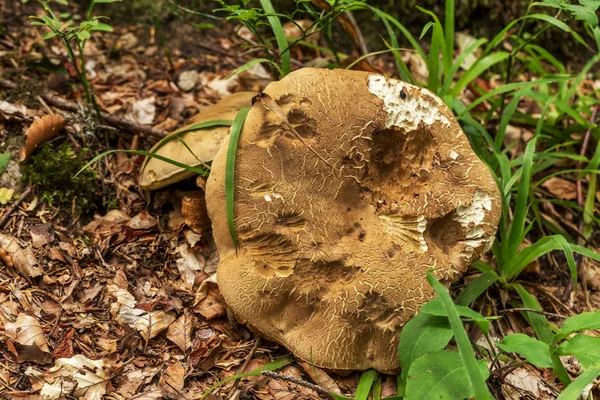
x=364, y=384
x=101, y=26
x=585, y=348
x=577, y=323
x=474, y=374
x=4, y=157
x=422, y=334
x=234, y=136
x=273, y=365
x=534, y=351
x=574, y=390
x=441, y=375
x=147, y=154
x=476, y=287
x=252, y=63
x=477, y=69
x=279, y=36
x=435, y=307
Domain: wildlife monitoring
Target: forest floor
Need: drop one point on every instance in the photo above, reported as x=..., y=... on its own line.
x=73, y=262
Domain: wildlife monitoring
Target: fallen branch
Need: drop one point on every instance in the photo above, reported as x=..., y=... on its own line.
x=130, y=126
x=297, y=381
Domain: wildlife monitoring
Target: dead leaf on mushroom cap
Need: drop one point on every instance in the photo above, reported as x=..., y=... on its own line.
x=341, y=208
x=40, y=131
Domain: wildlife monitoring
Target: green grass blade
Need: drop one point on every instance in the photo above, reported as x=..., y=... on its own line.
x=520, y=212
x=252, y=63
x=411, y=39
x=364, y=384
x=284, y=53
x=477, y=69
x=476, y=287
x=510, y=87
x=560, y=25
x=576, y=388
x=234, y=136
x=448, y=55
x=405, y=74
x=272, y=366
x=462, y=341
x=147, y=154
x=459, y=60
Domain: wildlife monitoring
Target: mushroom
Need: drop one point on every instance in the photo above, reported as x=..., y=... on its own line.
x=341, y=211
x=204, y=143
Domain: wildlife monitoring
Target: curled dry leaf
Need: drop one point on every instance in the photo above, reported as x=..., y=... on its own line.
x=16, y=256
x=180, y=331
x=209, y=303
x=148, y=324
x=321, y=378
x=40, y=131
x=28, y=332
x=77, y=376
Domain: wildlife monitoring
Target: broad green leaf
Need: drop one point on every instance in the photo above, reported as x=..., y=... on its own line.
x=83, y=35
x=234, y=136
x=4, y=157
x=435, y=307
x=577, y=323
x=585, y=348
x=441, y=375
x=534, y=351
x=101, y=26
x=422, y=334
x=465, y=348
x=574, y=390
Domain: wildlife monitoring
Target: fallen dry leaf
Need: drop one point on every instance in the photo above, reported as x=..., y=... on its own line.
x=142, y=221
x=172, y=379
x=180, y=331
x=321, y=378
x=143, y=111
x=40, y=131
x=41, y=235
x=148, y=324
x=209, y=303
x=189, y=264
x=14, y=255
x=561, y=188
x=77, y=376
x=28, y=332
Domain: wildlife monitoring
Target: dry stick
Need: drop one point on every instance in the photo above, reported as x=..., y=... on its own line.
x=297, y=381
x=244, y=366
x=14, y=206
x=57, y=101
x=532, y=310
x=359, y=37
x=581, y=204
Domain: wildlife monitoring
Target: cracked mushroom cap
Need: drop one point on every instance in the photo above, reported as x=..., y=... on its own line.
x=338, y=230
x=205, y=143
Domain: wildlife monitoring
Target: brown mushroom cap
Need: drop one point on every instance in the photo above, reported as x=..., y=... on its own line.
x=333, y=254
x=205, y=143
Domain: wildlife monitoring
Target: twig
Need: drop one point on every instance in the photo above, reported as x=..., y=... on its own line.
x=362, y=45
x=14, y=206
x=244, y=366
x=297, y=381
x=57, y=101
x=532, y=310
